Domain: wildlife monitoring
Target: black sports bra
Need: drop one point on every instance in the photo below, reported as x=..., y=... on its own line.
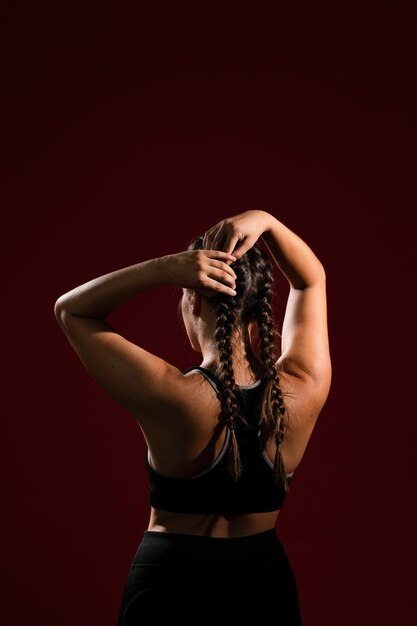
x=214, y=490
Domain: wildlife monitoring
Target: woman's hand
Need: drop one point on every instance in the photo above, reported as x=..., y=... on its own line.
x=205, y=271
x=242, y=230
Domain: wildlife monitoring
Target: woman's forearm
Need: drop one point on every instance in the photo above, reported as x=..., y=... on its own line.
x=101, y=296
x=293, y=256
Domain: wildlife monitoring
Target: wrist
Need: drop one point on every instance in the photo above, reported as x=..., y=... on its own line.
x=268, y=221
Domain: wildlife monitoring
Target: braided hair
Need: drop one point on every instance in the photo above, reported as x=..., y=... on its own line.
x=252, y=303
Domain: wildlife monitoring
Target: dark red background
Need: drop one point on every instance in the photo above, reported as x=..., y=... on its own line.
x=126, y=132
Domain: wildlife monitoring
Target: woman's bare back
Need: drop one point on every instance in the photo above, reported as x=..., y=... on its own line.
x=194, y=442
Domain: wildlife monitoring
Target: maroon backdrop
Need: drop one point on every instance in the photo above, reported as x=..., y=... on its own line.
x=126, y=132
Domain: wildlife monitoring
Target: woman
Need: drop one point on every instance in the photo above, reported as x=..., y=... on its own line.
x=223, y=444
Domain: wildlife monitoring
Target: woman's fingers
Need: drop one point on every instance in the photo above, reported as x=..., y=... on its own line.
x=216, y=273
x=208, y=241
x=222, y=265
x=222, y=275
x=231, y=241
x=210, y=236
x=244, y=246
x=225, y=236
x=217, y=286
x=220, y=255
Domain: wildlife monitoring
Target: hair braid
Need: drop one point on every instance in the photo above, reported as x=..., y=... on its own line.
x=230, y=412
x=273, y=419
x=252, y=303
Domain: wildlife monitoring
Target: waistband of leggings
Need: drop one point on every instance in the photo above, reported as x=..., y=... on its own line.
x=186, y=538
x=190, y=544
x=185, y=551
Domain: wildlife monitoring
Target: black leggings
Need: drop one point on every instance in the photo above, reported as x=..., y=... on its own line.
x=194, y=578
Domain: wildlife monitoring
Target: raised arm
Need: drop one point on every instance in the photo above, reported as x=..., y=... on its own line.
x=305, y=341
x=143, y=383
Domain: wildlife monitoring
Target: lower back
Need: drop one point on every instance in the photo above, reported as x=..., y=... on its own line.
x=212, y=525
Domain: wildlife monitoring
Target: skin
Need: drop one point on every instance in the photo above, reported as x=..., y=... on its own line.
x=177, y=413
x=200, y=325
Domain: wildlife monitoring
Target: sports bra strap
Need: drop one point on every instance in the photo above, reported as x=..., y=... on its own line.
x=208, y=374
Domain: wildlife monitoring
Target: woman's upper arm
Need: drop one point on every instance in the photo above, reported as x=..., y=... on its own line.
x=140, y=381
x=305, y=349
